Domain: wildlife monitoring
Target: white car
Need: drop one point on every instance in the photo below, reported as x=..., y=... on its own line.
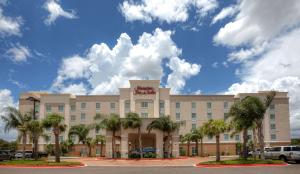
x=285, y=153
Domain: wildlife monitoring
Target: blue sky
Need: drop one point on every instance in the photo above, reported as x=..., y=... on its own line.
x=192, y=46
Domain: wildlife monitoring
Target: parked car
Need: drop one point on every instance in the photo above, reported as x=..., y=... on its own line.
x=42, y=154
x=285, y=153
x=19, y=154
x=251, y=153
x=5, y=155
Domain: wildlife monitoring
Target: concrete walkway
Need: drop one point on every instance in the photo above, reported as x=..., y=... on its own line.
x=191, y=161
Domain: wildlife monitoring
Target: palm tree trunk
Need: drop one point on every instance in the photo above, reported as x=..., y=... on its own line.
x=101, y=148
x=201, y=150
x=197, y=147
x=245, y=140
x=24, y=143
x=140, y=142
x=171, y=153
x=57, y=149
x=188, y=148
x=255, y=143
x=90, y=150
x=261, y=139
x=113, y=144
x=218, y=148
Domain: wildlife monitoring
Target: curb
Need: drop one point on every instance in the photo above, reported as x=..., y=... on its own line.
x=144, y=159
x=237, y=165
x=41, y=166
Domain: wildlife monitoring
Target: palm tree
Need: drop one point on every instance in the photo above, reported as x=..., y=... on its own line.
x=100, y=139
x=90, y=142
x=36, y=130
x=188, y=138
x=113, y=123
x=82, y=132
x=133, y=121
x=14, y=119
x=196, y=135
x=215, y=128
x=167, y=126
x=55, y=121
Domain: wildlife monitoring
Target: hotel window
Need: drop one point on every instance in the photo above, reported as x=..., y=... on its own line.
x=144, y=115
x=112, y=106
x=97, y=131
x=177, y=116
x=209, y=137
x=272, y=117
x=161, y=104
x=237, y=137
x=37, y=108
x=73, y=138
x=73, y=107
x=209, y=116
x=226, y=115
x=225, y=105
x=83, y=105
x=194, y=117
x=82, y=117
x=61, y=138
x=61, y=108
x=194, y=126
x=48, y=108
x=127, y=106
x=226, y=137
x=193, y=105
x=177, y=105
x=273, y=126
x=273, y=136
x=272, y=107
x=73, y=117
x=98, y=106
x=144, y=104
x=193, y=150
x=208, y=105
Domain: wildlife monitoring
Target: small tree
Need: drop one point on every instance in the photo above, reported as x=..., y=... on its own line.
x=113, y=123
x=82, y=132
x=214, y=128
x=188, y=138
x=55, y=121
x=100, y=139
x=133, y=121
x=196, y=135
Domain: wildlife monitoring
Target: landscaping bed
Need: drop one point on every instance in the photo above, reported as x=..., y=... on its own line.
x=39, y=163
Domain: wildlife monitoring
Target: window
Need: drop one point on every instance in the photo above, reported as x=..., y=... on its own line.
x=226, y=115
x=226, y=137
x=97, y=131
x=61, y=138
x=177, y=116
x=296, y=148
x=82, y=117
x=272, y=116
x=177, y=105
x=73, y=138
x=37, y=108
x=83, y=105
x=208, y=105
x=209, y=116
x=287, y=149
x=194, y=126
x=209, y=137
x=144, y=115
x=73, y=107
x=127, y=105
x=73, y=117
x=194, y=117
x=273, y=126
x=112, y=105
x=193, y=105
x=98, y=106
x=276, y=149
x=61, y=108
x=48, y=108
x=225, y=105
x=273, y=136
x=237, y=137
x=144, y=104
x=193, y=150
x=161, y=105
x=272, y=106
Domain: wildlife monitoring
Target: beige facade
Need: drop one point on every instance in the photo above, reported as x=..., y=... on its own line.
x=150, y=101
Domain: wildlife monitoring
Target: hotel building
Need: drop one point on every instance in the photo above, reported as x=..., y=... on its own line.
x=151, y=101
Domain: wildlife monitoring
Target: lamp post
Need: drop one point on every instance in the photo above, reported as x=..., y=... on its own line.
x=34, y=139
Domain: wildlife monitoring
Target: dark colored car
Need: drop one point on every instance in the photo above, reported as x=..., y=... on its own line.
x=5, y=155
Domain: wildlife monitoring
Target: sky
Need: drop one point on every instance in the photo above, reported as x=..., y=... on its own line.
x=192, y=46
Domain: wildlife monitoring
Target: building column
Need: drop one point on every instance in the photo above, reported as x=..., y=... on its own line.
x=108, y=146
x=175, y=148
x=124, y=146
x=159, y=145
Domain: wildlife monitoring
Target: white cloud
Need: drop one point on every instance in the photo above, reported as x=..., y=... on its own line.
x=215, y=65
x=6, y=100
x=55, y=11
x=18, y=53
x=165, y=10
x=9, y=25
x=75, y=89
x=107, y=69
x=224, y=13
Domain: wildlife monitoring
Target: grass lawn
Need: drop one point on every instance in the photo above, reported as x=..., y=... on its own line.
x=38, y=163
x=242, y=161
